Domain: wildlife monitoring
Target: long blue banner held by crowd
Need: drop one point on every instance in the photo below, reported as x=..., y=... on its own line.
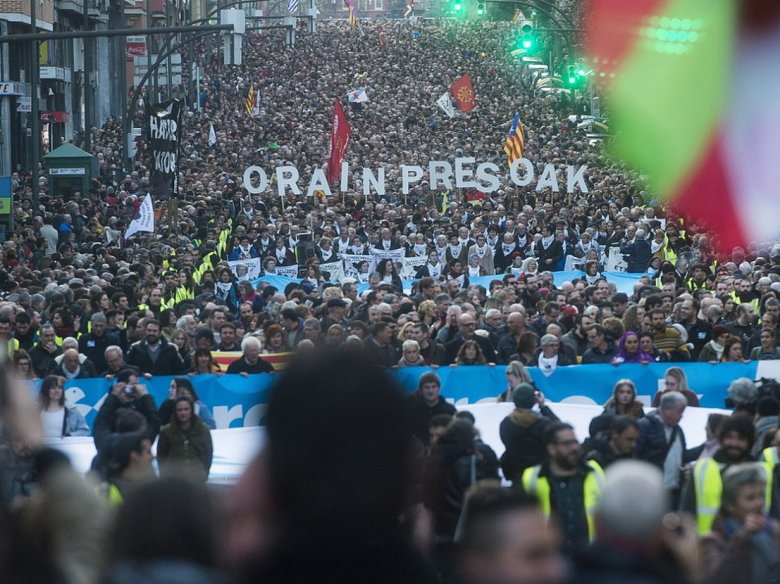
x=623, y=281
x=237, y=401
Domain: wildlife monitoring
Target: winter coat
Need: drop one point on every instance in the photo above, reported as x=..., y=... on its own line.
x=168, y=361
x=190, y=448
x=522, y=433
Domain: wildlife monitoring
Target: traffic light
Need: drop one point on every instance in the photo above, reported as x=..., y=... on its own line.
x=480, y=9
x=457, y=6
x=527, y=37
x=572, y=79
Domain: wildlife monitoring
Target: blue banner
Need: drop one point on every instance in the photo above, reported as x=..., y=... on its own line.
x=237, y=401
x=623, y=282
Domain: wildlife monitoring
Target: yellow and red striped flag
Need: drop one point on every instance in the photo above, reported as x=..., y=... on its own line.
x=514, y=143
x=278, y=361
x=251, y=100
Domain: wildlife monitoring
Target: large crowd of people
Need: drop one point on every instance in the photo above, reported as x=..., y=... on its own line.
x=357, y=484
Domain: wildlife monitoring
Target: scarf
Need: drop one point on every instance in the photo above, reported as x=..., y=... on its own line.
x=547, y=241
x=522, y=240
x=463, y=241
x=223, y=289
x=548, y=365
x=507, y=248
x=492, y=241
x=474, y=272
x=420, y=249
x=654, y=247
x=459, y=279
x=434, y=270
x=718, y=348
x=455, y=249
x=356, y=249
x=281, y=255
x=245, y=253
x=386, y=244
x=74, y=375
x=326, y=255
x=481, y=251
x=441, y=251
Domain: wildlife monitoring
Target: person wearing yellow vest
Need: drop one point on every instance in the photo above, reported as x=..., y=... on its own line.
x=744, y=545
x=703, y=490
x=130, y=465
x=566, y=486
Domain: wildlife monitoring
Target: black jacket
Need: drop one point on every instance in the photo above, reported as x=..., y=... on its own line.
x=168, y=360
x=652, y=445
x=420, y=415
x=241, y=366
x=95, y=348
x=638, y=255
x=522, y=433
x=106, y=417
x=43, y=362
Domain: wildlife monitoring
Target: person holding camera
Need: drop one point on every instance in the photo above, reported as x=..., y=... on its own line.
x=126, y=393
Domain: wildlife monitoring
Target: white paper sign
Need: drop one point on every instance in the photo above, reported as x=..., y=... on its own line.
x=246, y=269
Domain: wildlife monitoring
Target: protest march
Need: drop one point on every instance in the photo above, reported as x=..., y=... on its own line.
x=471, y=297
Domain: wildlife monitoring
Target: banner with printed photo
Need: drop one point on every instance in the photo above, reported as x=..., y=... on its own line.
x=615, y=260
x=411, y=265
x=332, y=271
x=287, y=271
x=246, y=269
x=358, y=266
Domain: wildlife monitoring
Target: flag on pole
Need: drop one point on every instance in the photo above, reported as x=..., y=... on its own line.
x=445, y=103
x=144, y=219
x=251, y=101
x=703, y=142
x=292, y=6
x=352, y=18
x=339, y=140
x=463, y=93
x=409, y=12
x=357, y=96
x=444, y=200
x=514, y=142
x=212, y=136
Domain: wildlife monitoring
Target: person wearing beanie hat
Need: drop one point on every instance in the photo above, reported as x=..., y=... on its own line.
x=522, y=432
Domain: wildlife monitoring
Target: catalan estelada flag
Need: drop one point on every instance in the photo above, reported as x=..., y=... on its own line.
x=514, y=143
x=251, y=100
x=692, y=90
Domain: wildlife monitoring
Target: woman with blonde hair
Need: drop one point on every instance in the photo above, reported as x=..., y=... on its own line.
x=676, y=380
x=516, y=373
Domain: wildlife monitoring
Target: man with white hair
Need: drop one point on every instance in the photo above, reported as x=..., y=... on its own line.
x=653, y=546
x=638, y=252
x=250, y=361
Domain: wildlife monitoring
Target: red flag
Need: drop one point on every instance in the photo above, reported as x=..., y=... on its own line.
x=463, y=93
x=339, y=140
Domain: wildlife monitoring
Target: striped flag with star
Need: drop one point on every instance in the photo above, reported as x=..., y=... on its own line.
x=251, y=100
x=292, y=6
x=514, y=143
x=409, y=12
x=352, y=18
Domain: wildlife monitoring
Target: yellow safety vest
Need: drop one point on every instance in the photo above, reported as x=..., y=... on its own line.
x=533, y=484
x=708, y=487
x=770, y=457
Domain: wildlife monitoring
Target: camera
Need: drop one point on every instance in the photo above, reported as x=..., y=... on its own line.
x=129, y=389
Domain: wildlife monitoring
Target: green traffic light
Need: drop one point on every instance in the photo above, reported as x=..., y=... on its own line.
x=572, y=80
x=527, y=43
x=480, y=9
x=458, y=6
x=582, y=72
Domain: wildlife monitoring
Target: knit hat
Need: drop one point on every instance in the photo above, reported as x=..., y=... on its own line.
x=524, y=396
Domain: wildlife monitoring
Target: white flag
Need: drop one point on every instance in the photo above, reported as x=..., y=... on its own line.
x=445, y=103
x=212, y=135
x=145, y=219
